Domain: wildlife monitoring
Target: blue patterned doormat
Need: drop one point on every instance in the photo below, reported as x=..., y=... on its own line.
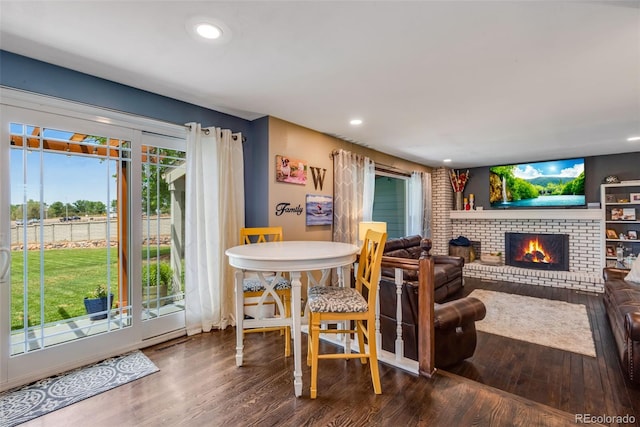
x=26, y=403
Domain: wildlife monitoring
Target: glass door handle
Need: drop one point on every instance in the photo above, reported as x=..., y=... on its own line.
x=4, y=262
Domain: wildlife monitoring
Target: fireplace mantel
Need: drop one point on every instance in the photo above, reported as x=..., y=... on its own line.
x=578, y=214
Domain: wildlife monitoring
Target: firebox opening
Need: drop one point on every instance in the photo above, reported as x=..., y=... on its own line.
x=537, y=251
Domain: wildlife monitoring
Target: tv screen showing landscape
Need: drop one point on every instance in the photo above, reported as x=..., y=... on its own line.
x=556, y=183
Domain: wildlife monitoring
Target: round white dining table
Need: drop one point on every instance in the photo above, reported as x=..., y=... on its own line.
x=293, y=257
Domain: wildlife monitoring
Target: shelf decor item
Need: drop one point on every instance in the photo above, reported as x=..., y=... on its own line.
x=458, y=181
x=617, y=214
x=611, y=234
x=628, y=214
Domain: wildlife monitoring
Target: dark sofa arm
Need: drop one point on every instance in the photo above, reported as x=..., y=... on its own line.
x=448, y=259
x=632, y=325
x=610, y=273
x=458, y=312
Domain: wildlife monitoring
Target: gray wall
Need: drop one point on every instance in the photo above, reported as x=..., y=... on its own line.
x=625, y=166
x=31, y=75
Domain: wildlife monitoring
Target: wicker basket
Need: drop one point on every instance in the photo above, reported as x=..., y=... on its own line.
x=491, y=259
x=466, y=252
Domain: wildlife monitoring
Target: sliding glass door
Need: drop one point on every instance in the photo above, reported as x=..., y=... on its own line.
x=91, y=241
x=163, y=206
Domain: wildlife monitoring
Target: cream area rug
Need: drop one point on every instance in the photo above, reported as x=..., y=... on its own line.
x=551, y=323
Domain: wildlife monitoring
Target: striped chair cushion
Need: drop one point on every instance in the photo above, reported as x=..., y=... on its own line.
x=253, y=284
x=324, y=299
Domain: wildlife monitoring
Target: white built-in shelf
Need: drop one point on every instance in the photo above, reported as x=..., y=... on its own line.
x=581, y=214
x=622, y=221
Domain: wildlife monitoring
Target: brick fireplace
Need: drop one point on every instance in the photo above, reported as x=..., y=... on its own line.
x=582, y=226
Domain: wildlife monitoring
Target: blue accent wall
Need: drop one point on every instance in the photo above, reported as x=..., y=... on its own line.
x=256, y=175
x=36, y=76
x=21, y=72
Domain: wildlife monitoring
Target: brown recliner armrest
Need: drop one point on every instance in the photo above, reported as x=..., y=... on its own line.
x=632, y=325
x=448, y=259
x=458, y=312
x=611, y=273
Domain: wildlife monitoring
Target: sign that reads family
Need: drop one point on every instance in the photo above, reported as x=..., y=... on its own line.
x=283, y=208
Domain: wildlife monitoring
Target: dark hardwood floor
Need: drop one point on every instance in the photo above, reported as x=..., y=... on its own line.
x=567, y=381
x=509, y=383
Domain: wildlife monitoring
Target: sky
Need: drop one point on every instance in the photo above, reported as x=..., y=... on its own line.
x=66, y=178
x=557, y=168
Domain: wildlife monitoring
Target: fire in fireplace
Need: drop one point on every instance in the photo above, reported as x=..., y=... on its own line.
x=537, y=251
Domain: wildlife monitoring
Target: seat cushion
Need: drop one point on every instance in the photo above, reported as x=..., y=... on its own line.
x=253, y=284
x=333, y=299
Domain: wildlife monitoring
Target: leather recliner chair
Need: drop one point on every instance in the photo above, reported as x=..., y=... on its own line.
x=454, y=321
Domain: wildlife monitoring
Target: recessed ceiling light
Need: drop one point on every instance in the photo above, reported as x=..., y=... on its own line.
x=447, y=160
x=208, y=31
x=634, y=138
x=205, y=29
x=356, y=122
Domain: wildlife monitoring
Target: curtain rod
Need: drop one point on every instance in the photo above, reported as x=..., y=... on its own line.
x=379, y=166
x=206, y=132
x=390, y=169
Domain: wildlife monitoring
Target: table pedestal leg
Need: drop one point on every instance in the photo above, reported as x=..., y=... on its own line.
x=296, y=323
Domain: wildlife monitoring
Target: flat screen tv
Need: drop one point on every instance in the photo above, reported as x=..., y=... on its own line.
x=550, y=184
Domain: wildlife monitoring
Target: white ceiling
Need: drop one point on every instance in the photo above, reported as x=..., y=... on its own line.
x=480, y=82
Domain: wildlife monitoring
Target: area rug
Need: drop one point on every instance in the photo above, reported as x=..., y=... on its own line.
x=44, y=396
x=551, y=323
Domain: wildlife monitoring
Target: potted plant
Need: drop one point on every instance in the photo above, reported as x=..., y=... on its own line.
x=98, y=301
x=156, y=282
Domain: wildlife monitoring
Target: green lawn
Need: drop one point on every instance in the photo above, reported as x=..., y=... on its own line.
x=70, y=274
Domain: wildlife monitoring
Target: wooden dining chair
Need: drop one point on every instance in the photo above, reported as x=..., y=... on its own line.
x=339, y=304
x=254, y=288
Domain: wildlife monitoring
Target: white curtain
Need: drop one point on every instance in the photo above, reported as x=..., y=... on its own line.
x=354, y=181
x=415, y=204
x=426, y=204
x=419, y=205
x=369, y=189
x=214, y=214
